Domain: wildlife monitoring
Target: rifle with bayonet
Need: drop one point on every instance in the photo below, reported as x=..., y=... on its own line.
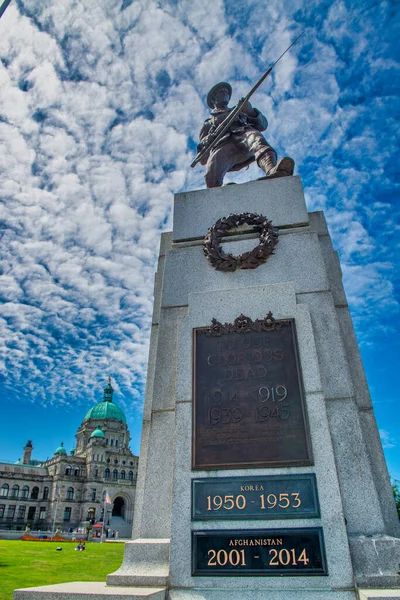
x=214, y=137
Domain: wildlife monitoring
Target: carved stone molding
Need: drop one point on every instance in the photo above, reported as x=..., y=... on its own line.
x=248, y=260
x=243, y=324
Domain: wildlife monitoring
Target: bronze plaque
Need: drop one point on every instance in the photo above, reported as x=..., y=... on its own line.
x=259, y=552
x=249, y=408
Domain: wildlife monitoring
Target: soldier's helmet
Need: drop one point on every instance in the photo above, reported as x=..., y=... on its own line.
x=211, y=94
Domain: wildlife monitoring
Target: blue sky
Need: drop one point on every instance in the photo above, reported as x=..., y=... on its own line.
x=100, y=107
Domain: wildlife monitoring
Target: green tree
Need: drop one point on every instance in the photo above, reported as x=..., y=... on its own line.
x=396, y=494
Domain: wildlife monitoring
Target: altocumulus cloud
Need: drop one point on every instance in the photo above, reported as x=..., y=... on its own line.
x=100, y=107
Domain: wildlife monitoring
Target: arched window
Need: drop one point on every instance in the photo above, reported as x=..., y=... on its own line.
x=4, y=490
x=130, y=475
x=35, y=493
x=115, y=474
x=107, y=473
x=15, y=491
x=91, y=514
x=45, y=493
x=25, y=492
x=122, y=475
x=77, y=472
x=68, y=470
x=70, y=493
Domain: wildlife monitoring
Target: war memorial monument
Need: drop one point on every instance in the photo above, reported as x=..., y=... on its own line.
x=261, y=472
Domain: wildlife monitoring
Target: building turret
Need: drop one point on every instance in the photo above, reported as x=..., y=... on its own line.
x=27, y=453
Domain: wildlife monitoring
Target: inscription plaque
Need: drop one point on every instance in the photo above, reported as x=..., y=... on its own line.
x=264, y=552
x=249, y=408
x=266, y=497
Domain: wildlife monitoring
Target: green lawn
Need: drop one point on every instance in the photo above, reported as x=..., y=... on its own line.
x=28, y=564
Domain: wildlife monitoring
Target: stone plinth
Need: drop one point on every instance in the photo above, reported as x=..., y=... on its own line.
x=301, y=281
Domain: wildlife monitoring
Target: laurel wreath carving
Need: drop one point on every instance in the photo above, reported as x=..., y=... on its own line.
x=243, y=324
x=222, y=261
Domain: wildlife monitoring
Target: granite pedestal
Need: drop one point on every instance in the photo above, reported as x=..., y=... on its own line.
x=301, y=281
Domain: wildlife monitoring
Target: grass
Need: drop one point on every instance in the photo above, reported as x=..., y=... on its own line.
x=29, y=564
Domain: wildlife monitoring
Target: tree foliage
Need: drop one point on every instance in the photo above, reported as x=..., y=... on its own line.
x=396, y=494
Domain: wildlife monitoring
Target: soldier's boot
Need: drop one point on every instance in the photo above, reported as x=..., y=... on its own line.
x=267, y=162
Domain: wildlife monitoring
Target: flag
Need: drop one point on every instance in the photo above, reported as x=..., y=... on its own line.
x=107, y=498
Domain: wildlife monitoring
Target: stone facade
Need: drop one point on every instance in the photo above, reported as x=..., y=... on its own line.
x=69, y=489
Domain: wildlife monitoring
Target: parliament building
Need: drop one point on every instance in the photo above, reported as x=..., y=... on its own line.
x=69, y=489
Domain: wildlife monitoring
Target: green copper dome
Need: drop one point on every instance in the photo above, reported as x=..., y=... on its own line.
x=60, y=449
x=106, y=409
x=97, y=433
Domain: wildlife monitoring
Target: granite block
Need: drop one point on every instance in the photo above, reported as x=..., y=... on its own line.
x=167, y=348
x=353, y=357
x=140, y=483
x=146, y=563
x=335, y=373
x=188, y=271
x=376, y=558
x=333, y=270
x=155, y=521
x=280, y=200
x=318, y=222
x=151, y=370
x=84, y=590
x=361, y=505
x=380, y=473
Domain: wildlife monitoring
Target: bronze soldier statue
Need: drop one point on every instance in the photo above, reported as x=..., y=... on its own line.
x=241, y=144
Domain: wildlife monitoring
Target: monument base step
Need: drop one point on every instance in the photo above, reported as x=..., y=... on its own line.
x=84, y=590
x=378, y=594
x=257, y=594
x=146, y=563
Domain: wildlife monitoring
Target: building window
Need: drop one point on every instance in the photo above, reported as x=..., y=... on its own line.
x=68, y=470
x=67, y=513
x=111, y=442
x=107, y=473
x=2, y=509
x=116, y=443
x=93, y=494
x=130, y=475
x=35, y=493
x=70, y=493
x=21, y=512
x=106, y=441
x=31, y=513
x=15, y=491
x=115, y=462
x=96, y=472
x=131, y=463
x=42, y=513
x=45, y=493
x=4, y=490
x=25, y=492
x=124, y=462
x=10, y=512
x=122, y=475
x=115, y=474
x=91, y=515
x=77, y=472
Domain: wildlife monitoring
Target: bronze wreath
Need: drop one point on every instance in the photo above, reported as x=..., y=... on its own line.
x=248, y=260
